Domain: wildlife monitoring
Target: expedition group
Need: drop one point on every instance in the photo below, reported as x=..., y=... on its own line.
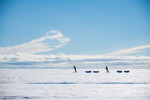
x=107, y=71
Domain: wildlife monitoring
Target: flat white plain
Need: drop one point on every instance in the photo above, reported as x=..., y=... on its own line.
x=64, y=84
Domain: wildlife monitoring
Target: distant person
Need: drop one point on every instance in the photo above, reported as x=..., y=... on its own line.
x=107, y=69
x=75, y=69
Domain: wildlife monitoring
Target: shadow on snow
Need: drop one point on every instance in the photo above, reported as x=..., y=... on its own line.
x=87, y=83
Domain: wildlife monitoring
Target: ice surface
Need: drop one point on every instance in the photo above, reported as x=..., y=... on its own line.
x=64, y=84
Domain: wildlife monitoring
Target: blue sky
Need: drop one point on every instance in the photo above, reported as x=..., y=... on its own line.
x=93, y=26
x=64, y=33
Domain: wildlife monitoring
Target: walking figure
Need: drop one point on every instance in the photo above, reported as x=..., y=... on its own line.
x=107, y=69
x=74, y=67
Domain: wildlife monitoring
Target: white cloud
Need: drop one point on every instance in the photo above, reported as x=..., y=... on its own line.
x=129, y=51
x=53, y=40
x=27, y=55
x=63, y=60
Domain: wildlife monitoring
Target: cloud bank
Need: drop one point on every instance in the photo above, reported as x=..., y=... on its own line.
x=29, y=55
x=53, y=40
x=63, y=60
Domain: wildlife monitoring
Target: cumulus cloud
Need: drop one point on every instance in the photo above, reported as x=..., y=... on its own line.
x=129, y=51
x=52, y=40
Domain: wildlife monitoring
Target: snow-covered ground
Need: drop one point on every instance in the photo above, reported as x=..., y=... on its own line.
x=64, y=84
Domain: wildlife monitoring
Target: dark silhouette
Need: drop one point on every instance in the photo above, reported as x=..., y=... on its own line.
x=107, y=69
x=119, y=71
x=95, y=71
x=88, y=71
x=75, y=69
x=126, y=71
